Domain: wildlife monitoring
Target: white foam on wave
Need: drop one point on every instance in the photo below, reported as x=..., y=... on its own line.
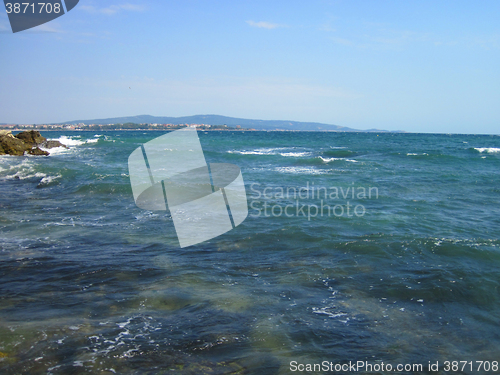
x=24, y=175
x=70, y=141
x=300, y=170
x=327, y=311
x=258, y=151
x=415, y=154
x=76, y=140
x=487, y=149
x=48, y=179
x=26, y=171
x=295, y=154
x=328, y=160
x=283, y=151
x=55, y=150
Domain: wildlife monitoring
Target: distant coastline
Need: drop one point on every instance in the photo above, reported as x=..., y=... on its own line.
x=120, y=127
x=202, y=122
x=228, y=129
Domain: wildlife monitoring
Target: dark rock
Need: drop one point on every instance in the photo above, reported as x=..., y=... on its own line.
x=25, y=142
x=37, y=151
x=11, y=145
x=33, y=137
x=52, y=144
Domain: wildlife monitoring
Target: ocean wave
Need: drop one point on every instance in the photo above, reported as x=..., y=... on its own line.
x=328, y=160
x=490, y=150
x=249, y=152
x=300, y=170
x=55, y=150
x=27, y=169
x=48, y=180
x=25, y=175
x=283, y=151
x=339, y=153
x=70, y=141
x=295, y=154
x=75, y=140
x=330, y=311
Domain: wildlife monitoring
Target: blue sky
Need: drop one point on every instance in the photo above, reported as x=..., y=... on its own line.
x=420, y=66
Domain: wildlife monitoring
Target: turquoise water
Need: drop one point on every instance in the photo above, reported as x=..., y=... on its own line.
x=89, y=283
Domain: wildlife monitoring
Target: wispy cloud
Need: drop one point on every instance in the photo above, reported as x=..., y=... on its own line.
x=265, y=25
x=113, y=9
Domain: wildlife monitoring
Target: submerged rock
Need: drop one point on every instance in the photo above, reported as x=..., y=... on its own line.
x=37, y=151
x=52, y=144
x=25, y=142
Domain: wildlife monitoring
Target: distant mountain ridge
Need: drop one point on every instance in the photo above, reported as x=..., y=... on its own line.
x=223, y=120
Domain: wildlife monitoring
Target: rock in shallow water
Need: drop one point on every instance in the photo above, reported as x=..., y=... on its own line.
x=25, y=142
x=10, y=145
x=37, y=151
x=52, y=144
x=32, y=137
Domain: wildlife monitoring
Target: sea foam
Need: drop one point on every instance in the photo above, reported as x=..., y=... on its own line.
x=487, y=149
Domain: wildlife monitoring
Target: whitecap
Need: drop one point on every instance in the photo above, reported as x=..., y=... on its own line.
x=55, y=150
x=325, y=311
x=295, y=154
x=487, y=149
x=300, y=170
x=327, y=160
x=254, y=152
x=22, y=175
x=268, y=151
x=48, y=179
x=70, y=141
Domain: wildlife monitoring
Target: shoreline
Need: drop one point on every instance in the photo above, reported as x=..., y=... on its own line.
x=220, y=130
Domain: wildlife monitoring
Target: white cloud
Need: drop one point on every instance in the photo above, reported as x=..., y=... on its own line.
x=264, y=25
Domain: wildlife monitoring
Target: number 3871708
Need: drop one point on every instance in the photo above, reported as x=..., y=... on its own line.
x=33, y=8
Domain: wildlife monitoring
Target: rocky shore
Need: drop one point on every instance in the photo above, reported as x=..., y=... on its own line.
x=27, y=142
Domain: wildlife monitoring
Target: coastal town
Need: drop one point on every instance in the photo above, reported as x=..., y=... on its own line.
x=124, y=126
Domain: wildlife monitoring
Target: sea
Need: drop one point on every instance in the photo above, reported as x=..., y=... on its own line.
x=361, y=252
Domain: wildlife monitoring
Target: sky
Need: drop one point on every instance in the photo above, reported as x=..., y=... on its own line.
x=419, y=66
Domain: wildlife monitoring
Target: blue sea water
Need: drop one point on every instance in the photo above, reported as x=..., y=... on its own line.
x=389, y=251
